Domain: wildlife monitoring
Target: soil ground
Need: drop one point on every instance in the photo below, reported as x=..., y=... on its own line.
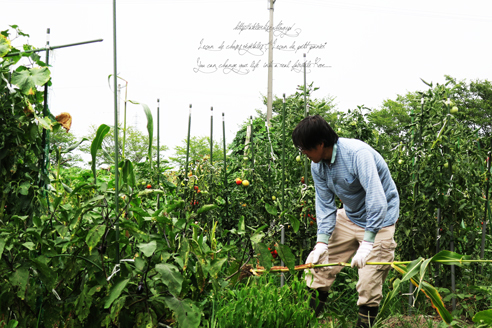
x=417, y=321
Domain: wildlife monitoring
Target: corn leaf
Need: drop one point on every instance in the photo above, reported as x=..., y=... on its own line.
x=96, y=145
x=412, y=269
x=450, y=258
x=150, y=127
x=430, y=292
x=389, y=297
x=436, y=301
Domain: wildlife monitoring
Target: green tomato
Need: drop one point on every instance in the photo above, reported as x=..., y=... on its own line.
x=400, y=162
x=446, y=165
x=298, y=158
x=454, y=110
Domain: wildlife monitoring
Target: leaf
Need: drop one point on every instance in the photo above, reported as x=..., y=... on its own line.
x=28, y=79
x=171, y=276
x=94, y=235
x=257, y=237
x=67, y=188
x=45, y=122
x=485, y=316
x=428, y=84
x=436, y=301
x=148, y=249
x=12, y=324
x=117, y=307
x=115, y=292
x=73, y=146
x=128, y=175
x=20, y=278
x=450, y=258
x=412, y=269
x=430, y=292
x=286, y=255
x=294, y=222
x=96, y=145
x=150, y=127
x=423, y=269
x=187, y=312
x=390, y=296
x=271, y=209
x=29, y=245
x=83, y=305
x=4, y=45
x=24, y=188
x=241, y=229
x=216, y=266
x=206, y=208
x=265, y=256
x=2, y=246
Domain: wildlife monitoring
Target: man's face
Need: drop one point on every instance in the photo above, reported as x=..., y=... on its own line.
x=316, y=154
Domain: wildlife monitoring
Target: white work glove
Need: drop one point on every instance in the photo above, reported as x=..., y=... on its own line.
x=359, y=260
x=317, y=252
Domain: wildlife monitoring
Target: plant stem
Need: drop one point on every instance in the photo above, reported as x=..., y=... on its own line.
x=310, y=265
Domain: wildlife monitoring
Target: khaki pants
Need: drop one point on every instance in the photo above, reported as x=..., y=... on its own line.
x=342, y=245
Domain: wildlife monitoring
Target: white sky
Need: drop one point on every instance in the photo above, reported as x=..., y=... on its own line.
x=376, y=49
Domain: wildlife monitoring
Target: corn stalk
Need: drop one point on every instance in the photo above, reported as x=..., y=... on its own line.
x=410, y=270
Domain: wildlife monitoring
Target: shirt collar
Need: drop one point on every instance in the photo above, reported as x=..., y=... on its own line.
x=334, y=153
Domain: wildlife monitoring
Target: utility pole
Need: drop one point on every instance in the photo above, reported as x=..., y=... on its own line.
x=270, y=64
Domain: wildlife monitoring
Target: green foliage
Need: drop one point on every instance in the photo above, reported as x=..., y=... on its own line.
x=136, y=146
x=187, y=239
x=199, y=149
x=21, y=124
x=262, y=303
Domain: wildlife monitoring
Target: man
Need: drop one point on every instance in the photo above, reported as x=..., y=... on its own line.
x=358, y=175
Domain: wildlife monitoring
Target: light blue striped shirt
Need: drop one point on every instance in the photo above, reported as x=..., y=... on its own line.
x=360, y=177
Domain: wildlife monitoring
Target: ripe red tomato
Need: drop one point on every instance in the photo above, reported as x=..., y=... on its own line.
x=149, y=186
x=302, y=180
x=238, y=181
x=196, y=187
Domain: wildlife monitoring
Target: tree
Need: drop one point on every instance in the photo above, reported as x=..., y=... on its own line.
x=475, y=99
x=199, y=148
x=136, y=146
x=63, y=140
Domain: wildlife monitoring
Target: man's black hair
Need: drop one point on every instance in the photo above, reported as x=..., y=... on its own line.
x=312, y=131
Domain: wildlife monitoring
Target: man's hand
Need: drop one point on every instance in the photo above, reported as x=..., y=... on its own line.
x=317, y=252
x=359, y=260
